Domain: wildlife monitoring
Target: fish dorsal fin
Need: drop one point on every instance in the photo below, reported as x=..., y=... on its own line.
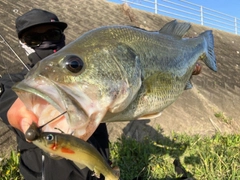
x=176, y=29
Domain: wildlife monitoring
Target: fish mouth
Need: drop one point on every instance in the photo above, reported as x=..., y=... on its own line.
x=47, y=101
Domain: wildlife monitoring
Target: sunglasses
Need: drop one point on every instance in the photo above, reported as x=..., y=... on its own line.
x=33, y=39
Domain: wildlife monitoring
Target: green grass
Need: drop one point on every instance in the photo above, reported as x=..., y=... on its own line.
x=9, y=167
x=221, y=116
x=216, y=158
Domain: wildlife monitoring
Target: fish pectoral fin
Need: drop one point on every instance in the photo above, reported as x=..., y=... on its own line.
x=150, y=116
x=81, y=166
x=176, y=29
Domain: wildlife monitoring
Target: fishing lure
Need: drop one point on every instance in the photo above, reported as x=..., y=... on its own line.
x=70, y=147
x=34, y=132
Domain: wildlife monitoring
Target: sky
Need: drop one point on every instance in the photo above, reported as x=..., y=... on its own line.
x=230, y=7
x=224, y=12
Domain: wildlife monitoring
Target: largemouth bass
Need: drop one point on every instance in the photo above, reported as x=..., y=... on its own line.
x=114, y=73
x=79, y=151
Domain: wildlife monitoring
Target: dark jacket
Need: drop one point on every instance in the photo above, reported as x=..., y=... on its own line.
x=34, y=163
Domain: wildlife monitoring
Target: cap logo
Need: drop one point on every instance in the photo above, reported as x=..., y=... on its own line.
x=53, y=20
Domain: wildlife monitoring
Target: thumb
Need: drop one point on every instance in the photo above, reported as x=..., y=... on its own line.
x=20, y=117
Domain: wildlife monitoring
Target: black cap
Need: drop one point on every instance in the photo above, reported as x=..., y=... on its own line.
x=37, y=17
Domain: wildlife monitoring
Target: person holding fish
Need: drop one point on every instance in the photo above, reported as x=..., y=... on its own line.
x=41, y=34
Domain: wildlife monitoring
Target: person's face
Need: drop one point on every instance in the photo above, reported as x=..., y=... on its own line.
x=36, y=35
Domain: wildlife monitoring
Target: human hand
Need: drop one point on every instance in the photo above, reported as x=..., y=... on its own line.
x=20, y=117
x=197, y=70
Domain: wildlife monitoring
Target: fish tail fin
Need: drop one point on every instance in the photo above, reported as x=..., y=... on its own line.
x=209, y=59
x=116, y=171
x=115, y=175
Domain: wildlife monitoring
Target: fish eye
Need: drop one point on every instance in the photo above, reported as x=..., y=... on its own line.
x=73, y=63
x=49, y=137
